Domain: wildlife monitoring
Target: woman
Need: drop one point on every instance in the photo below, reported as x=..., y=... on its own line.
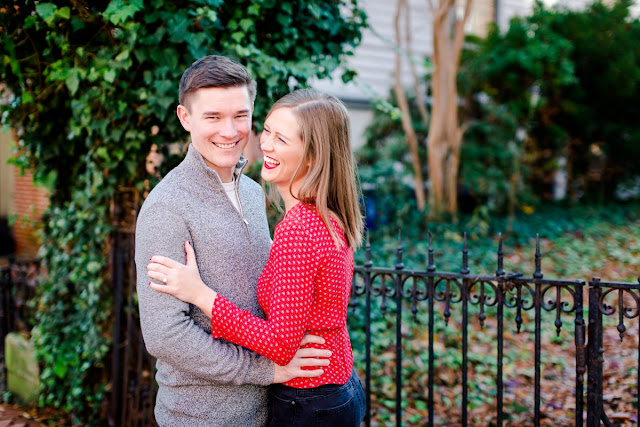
x=305, y=286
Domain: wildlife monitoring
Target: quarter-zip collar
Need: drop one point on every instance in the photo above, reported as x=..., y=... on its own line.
x=194, y=162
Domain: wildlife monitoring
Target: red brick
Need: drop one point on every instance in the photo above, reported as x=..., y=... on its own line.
x=30, y=201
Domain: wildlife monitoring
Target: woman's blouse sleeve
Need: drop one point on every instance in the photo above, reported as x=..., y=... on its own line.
x=294, y=263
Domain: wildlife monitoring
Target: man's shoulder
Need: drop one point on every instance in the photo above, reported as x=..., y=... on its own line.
x=250, y=190
x=167, y=192
x=249, y=183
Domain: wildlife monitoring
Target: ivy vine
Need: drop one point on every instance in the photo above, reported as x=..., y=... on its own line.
x=90, y=87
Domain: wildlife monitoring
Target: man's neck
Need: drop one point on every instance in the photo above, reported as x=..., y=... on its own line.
x=225, y=174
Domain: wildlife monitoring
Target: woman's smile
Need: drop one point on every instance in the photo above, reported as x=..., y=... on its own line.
x=270, y=163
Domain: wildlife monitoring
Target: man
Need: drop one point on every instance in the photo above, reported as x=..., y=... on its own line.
x=209, y=203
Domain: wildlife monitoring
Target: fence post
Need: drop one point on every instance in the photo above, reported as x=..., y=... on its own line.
x=581, y=356
x=116, y=361
x=399, y=282
x=368, y=289
x=5, y=312
x=124, y=210
x=594, y=356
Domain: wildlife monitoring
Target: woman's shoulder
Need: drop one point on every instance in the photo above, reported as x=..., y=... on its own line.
x=302, y=214
x=301, y=219
x=304, y=220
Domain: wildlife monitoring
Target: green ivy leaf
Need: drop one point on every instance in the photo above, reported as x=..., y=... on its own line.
x=122, y=55
x=118, y=12
x=46, y=11
x=93, y=267
x=61, y=368
x=72, y=81
x=246, y=24
x=63, y=12
x=238, y=37
x=110, y=76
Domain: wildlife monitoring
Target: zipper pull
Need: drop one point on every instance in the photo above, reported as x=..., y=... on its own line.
x=245, y=221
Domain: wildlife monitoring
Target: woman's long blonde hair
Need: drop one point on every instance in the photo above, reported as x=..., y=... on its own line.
x=331, y=182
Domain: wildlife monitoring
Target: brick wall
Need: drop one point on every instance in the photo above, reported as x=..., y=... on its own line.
x=20, y=198
x=28, y=202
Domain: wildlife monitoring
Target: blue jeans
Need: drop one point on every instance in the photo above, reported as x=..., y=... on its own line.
x=328, y=405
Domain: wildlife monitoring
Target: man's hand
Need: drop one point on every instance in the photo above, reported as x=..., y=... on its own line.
x=304, y=357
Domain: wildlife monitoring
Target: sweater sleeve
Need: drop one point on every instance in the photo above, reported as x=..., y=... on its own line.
x=170, y=333
x=294, y=264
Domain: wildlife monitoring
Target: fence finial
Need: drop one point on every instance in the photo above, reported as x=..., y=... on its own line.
x=399, y=264
x=431, y=266
x=465, y=256
x=500, y=271
x=538, y=273
x=367, y=248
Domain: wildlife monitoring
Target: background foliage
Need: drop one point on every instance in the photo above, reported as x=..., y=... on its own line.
x=564, y=83
x=554, y=92
x=91, y=86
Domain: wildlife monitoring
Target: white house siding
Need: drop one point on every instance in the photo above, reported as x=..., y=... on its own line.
x=374, y=58
x=482, y=14
x=507, y=9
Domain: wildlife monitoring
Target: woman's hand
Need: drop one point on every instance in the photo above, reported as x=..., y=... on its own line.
x=181, y=281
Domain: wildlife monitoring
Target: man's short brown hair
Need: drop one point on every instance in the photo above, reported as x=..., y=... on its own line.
x=215, y=71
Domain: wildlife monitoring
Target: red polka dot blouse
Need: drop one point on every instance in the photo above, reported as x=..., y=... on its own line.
x=303, y=289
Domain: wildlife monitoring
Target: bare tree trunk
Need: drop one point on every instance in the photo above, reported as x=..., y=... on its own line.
x=403, y=104
x=445, y=134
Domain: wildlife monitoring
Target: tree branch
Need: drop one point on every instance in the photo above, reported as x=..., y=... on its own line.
x=407, y=125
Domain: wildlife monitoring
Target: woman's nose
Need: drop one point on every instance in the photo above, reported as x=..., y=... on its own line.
x=265, y=142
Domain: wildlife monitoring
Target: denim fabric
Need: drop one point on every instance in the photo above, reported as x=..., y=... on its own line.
x=328, y=405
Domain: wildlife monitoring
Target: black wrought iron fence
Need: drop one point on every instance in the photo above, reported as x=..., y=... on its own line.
x=610, y=300
x=132, y=369
x=502, y=297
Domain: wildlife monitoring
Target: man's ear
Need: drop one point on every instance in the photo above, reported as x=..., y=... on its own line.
x=184, y=117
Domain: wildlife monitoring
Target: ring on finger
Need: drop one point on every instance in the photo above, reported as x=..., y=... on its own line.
x=165, y=279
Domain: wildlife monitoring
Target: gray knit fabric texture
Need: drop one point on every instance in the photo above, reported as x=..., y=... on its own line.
x=202, y=381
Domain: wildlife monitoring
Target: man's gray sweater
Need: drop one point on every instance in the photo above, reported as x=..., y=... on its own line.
x=202, y=381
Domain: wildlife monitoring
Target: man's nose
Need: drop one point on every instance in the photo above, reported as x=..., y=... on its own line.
x=228, y=129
